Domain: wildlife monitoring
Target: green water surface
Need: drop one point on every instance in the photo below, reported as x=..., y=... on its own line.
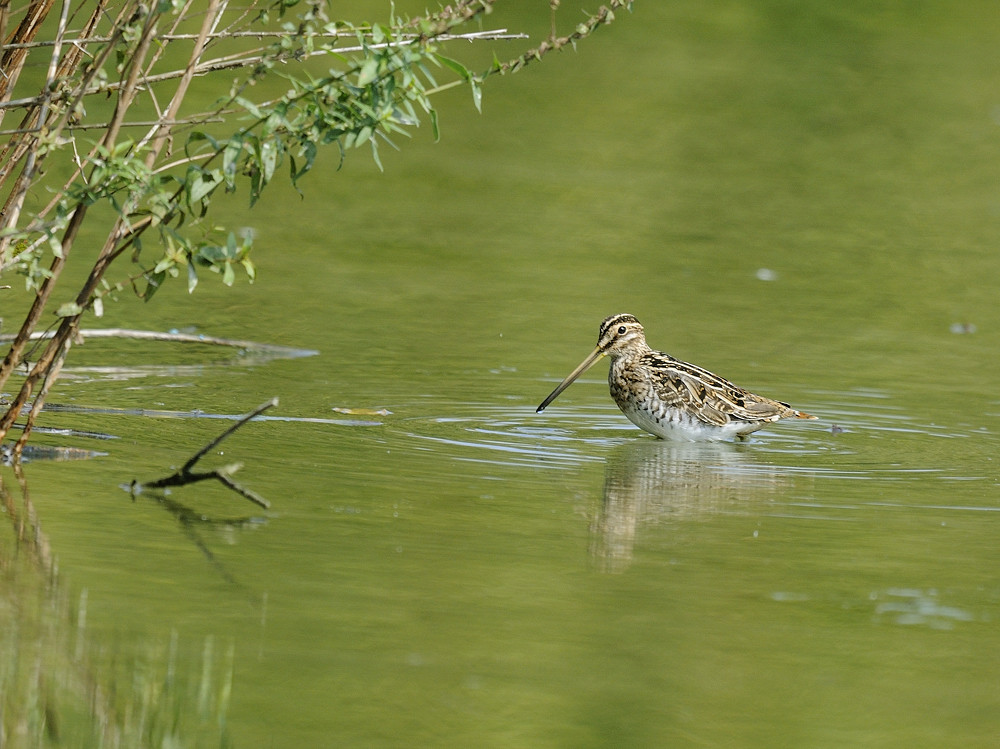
x=801, y=197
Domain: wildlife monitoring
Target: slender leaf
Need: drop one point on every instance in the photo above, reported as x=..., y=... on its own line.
x=455, y=66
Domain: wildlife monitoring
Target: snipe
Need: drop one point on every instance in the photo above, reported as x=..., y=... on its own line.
x=671, y=398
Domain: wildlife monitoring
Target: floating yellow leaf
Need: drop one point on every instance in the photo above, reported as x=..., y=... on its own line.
x=364, y=411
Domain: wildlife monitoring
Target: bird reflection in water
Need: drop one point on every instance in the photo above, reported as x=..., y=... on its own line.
x=650, y=482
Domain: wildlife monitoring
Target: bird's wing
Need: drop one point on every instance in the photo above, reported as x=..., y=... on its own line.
x=707, y=396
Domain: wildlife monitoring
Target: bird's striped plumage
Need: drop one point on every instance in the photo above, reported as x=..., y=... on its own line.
x=671, y=398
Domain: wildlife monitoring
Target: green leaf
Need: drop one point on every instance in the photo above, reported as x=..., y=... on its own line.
x=368, y=72
x=378, y=161
x=197, y=136
x=201, y=183
x=164, y=265
x=70, y=309
x=255, y=187
x=477, y=94
x=121, y=148
x=192, y=278
x=250, y=107
x=268, y=159
x=308, y=150
x=250, y=268
x=455, y=66
x=230, y=158
x=434, y=125
x=427, y=74
x=153, y=283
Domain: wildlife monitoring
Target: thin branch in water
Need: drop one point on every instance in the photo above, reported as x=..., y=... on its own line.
x=184, y=475
x=211, y=445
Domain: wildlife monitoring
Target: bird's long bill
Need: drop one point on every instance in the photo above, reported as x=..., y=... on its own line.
x=586, y=364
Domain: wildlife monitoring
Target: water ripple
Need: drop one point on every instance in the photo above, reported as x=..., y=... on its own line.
x=861, y=436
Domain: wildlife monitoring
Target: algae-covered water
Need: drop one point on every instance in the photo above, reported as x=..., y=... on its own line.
x=804, y=198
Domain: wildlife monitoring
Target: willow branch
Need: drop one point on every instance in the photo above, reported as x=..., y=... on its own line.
x=14, y=205
x=248, y=58
x=12, y=61
x=158, y=137
x=51, y=374
x=13, y=357
x=603, y=16
x=68, y=324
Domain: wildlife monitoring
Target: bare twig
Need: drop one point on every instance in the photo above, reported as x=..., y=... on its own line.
x=243, y=60
x=184, y=475
x=193, y=120
x=262, y=34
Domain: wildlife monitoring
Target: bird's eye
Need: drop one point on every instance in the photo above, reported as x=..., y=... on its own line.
x=621, y=330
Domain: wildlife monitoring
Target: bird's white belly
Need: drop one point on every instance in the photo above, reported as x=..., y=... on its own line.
x=673, y=424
